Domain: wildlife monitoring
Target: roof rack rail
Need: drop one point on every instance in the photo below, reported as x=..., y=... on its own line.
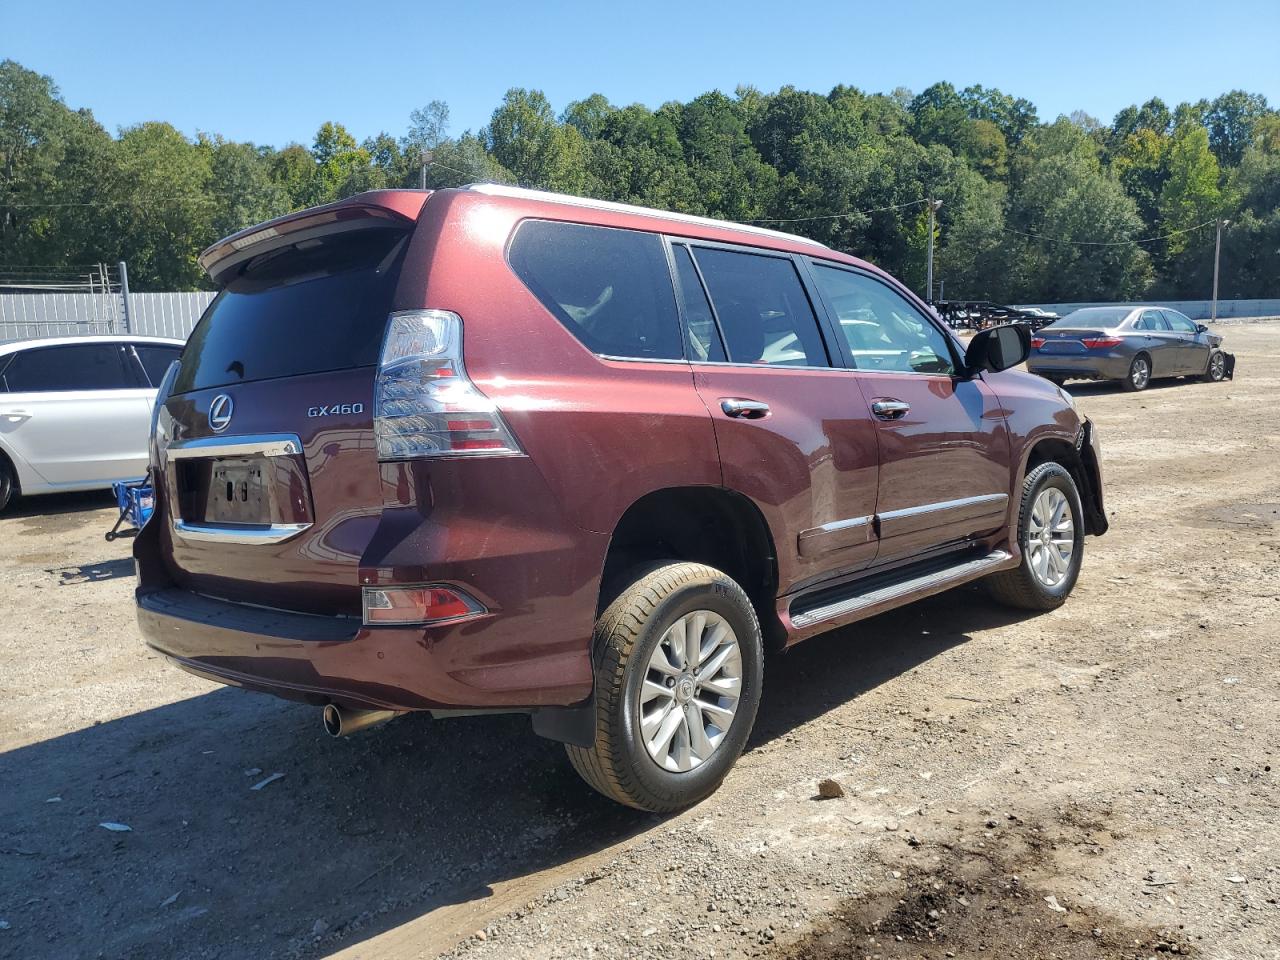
x=502, y=190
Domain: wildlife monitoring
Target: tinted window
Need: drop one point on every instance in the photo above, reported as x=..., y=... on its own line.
x=610, y=288
x=156, y=360
x=1178, y=322
x=82, y=366
x=1093, y=317
x=700, y=333
x=883, y=330
x=763, y=310
x=1151, y=320
x=320, y=304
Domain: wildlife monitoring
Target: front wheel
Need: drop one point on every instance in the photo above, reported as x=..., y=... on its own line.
x=1051, y=538
x=1217, y=368
x=8, y=482
x=1139, y=374
x=678, y=676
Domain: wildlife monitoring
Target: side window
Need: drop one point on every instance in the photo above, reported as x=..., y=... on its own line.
x=156, y=359
x=81, y=366
x=883, y=330
x=764, y=312
x=1178, y=323
x=1151, y=320
x=610, y=288
x=701, y=333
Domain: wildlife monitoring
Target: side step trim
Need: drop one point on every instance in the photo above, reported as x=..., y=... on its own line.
x=959, y=573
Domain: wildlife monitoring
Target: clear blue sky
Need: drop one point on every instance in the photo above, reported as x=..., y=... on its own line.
x=272, y=71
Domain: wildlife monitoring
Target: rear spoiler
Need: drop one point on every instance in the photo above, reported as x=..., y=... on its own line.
x=374, y=208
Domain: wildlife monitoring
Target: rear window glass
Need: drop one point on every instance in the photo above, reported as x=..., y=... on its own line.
x=1094, y=316
x=86, y=366
x=611, y=288
x=318, y=305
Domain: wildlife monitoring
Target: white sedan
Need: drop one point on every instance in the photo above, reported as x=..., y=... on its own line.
x=75, y=411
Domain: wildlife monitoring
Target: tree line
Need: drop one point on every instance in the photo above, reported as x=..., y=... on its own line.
x=1032, y=211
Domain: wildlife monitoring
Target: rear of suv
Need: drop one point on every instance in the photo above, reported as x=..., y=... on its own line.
x=491, y=449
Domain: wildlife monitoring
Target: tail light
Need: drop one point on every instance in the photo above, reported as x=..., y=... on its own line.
x=1037, y=343
x=425, y=404
x=161, y=421
x=1102, y=343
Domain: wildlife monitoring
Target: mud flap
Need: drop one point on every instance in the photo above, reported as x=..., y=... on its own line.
x=573, y=725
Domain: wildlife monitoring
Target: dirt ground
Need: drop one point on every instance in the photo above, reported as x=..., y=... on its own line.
x=1098, y=782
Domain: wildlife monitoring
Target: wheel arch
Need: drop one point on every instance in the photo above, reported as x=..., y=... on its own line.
x=1079, y=460
x=712, y=525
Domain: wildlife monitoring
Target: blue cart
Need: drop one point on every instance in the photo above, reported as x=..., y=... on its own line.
x=136, y=501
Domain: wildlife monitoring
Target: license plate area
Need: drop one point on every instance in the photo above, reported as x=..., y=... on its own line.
x=1063, y=346
x=238, y=492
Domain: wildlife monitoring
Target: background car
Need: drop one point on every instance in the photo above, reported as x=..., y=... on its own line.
x=75, y=412
x=1134, y=345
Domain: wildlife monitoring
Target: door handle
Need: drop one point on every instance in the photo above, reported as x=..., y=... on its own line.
x=890, y=409
x=744, y=409
x=14, y=416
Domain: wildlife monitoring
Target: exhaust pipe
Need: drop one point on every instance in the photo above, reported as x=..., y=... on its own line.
x=342, y=722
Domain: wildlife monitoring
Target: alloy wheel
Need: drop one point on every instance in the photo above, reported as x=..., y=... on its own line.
x=1217, y=366
x=1051, y=536
x=1140, y=373
x=691, y=691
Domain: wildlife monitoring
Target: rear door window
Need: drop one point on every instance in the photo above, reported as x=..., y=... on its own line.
x=80, y=366
x=155, y=360
x=320, y=304
x=610, y=288
x=1151, y=320
x=764, y=312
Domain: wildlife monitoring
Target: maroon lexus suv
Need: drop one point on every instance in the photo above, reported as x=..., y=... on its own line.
x=491, y=449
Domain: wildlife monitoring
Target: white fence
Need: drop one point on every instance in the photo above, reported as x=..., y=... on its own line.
x=24, y=316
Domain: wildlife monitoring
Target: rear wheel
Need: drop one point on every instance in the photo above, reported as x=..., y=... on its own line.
x=1217, y=368
x=678, y=678
x=1139, y=375
x=1051, y=538
x=1057, y=381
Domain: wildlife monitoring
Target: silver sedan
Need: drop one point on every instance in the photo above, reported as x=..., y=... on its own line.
x=1134, y=345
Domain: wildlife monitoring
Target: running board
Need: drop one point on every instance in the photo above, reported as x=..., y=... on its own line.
x=922, y=583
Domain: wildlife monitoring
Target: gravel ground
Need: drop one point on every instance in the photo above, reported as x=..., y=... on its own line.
x=1094, y=782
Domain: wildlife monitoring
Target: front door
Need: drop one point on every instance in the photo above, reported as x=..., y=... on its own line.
x=1192, y=346
x=944, y=447
x=794, y=433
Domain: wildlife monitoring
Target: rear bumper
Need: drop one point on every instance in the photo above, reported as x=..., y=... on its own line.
x=321, y=659
x=1082, y=367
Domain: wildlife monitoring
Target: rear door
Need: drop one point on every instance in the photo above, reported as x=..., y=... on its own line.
x=793, y=431
x=77, y=413
x=944, y=449
x=1160, y=342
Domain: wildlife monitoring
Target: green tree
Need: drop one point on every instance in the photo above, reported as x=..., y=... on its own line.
x=1191, y=194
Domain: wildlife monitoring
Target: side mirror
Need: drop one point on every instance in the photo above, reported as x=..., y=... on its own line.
x=998, y=348
x=1201, y=328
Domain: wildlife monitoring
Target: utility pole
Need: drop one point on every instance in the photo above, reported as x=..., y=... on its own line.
x=933, y=208
x=1217, y=256
x=426, y=162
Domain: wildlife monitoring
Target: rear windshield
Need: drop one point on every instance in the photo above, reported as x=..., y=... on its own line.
x=318, y=305
x=1093, y=316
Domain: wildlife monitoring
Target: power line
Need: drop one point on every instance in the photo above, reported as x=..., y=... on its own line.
x=837, y=216
x=116, y=203
x=1106, y=243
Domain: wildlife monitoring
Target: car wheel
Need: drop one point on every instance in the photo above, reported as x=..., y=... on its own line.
x=1057, y=381
x=1217, y=368
x=8, y=482
x=1139, y=375
x=677, y=684
x=1051, y=539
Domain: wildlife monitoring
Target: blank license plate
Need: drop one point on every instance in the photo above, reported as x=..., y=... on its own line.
x=237, y=493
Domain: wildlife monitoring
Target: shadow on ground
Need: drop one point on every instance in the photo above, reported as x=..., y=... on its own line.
x=359, y=835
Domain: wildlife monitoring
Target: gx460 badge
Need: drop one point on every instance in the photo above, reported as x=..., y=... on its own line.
x=336, y=410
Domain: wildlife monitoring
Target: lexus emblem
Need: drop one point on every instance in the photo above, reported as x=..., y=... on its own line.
x=220, y=412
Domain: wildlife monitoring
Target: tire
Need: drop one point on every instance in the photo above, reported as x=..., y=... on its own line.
x=1139, y=375
x=628, y=637
x=1027, y=586
x=1057, y=381
x=8, y=483
x=1216, y=372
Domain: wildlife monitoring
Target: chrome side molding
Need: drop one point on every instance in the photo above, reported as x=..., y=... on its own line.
x=237, y=533
x=248, y=445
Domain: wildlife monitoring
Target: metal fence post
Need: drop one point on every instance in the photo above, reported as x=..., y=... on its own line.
x=124, y=296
